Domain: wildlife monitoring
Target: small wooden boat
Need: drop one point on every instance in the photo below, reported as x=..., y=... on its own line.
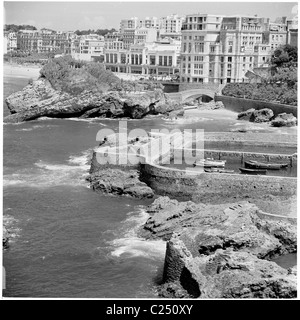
x=209, y=162
x=253, y=171
x=262, y=165
x=218, y=170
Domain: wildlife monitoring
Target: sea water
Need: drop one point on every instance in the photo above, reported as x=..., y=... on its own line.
x=67, y=240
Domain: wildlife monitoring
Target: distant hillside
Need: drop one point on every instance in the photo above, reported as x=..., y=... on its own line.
x=16, y=28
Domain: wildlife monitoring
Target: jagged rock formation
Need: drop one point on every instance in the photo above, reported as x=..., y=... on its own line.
x=119, y=182
x=245, y=115
x=284, y=120
x=262, y=115
x=39, y=99
x=220, y=251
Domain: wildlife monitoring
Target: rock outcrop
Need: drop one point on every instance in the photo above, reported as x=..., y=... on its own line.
x=39, y=99
x=252, y=115
x=5, y=238
x=284, y=120
x=119, y=182
x=221, y=251
x=245, y=115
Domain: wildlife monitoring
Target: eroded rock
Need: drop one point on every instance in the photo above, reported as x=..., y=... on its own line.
x=119, y=182
x=221, y=251
x=284, y=120
x=39, y=99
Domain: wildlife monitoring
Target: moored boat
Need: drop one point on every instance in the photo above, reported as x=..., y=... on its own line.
x=218, y=170
x=253, y=171
x=262, y=165
x=209, y=162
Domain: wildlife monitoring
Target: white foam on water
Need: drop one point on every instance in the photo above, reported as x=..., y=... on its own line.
x=46, y=174
x=187, y=120
x=25, y=129
x=11, y=225
x=129, y=245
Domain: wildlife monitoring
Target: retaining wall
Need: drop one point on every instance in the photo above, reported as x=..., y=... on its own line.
x=207, y=186
x=239, y=105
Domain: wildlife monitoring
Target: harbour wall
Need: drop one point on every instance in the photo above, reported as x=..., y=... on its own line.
x=204, y=187
x=240, y=105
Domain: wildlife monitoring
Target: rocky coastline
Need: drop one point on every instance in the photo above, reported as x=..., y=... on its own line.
x=267, y=115
x=40, y=99
x=221, y=251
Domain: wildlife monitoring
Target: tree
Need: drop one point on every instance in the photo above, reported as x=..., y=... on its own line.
x=284, y=56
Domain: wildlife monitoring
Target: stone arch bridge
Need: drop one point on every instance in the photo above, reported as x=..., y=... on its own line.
x=185, y=95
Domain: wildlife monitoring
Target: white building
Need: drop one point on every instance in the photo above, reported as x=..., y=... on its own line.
x=170, y=26
x=159, y=57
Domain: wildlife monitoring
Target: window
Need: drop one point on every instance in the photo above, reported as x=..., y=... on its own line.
x=199, y=47
x=198, y=68
x=212, y=49
x=152, y=60
x=229, y=65
x=165, y=61
x=198, y=58
x=190, y=47
x=244, y=59
x=229, y=59
x=170, y=60
x=160, y=60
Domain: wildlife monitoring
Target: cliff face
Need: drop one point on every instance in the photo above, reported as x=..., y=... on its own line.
x=39, y=99
x=221, y=251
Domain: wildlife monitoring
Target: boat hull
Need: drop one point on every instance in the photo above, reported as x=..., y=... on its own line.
x=253, y=171
x=261, y=165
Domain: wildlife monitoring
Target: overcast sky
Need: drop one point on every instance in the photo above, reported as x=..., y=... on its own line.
x=73, y=15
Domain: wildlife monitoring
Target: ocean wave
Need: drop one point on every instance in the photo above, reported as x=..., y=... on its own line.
x=46, y=174
x=129, y=245
x=11, y=225
x=186, y=120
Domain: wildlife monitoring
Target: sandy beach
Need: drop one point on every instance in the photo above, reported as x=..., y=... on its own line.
x=20, y=71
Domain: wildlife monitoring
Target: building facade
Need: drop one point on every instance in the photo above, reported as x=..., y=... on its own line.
x=170, y=26
x=159, y=58
x=219, y=49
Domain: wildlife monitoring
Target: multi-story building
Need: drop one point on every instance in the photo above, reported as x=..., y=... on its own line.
x=139, y=35
x=145, y=58
x=292, y=31
x=152, y=22
x=243, y=46
x=170, y=26
x=276, y=34
x=11, y=43
x=200, y=48
x=223, y=49
x=41, y=41
x=128, y=24
x=88, y=47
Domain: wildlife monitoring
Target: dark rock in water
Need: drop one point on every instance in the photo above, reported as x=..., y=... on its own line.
x=262, y=115
x=5, y=238
x=39, y=99
x=284, y=120
x=217, y=251
x=116, y=181
x=245, y=115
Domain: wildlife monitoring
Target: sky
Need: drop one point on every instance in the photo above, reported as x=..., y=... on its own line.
x=74, y=15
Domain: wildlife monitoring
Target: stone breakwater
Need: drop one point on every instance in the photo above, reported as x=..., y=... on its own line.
x=40, y=99
x=221, y=251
